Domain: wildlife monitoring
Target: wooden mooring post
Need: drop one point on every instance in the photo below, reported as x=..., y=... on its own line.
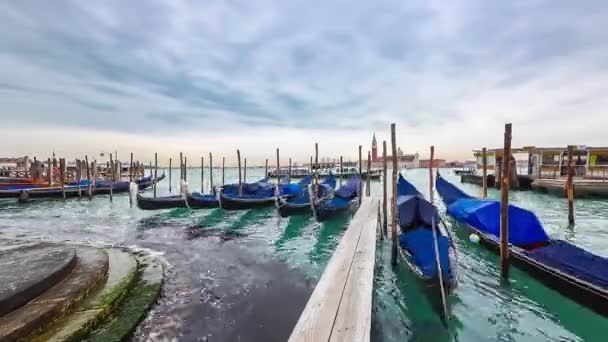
x=79, y=176
x=504, y=205
x=90, y=185
x=245, y=170
x=49, y=172
x=368, y=182
x=131, y=180
x=185, y=169
x=223, y=169
x=360, y=190
x=484, y=161
x=315, y=178
x=155, y=172
x=62, y=175
x=277, y=191
x=266, y=169
x=431, y=174
x=170, y=172
x=394, y=250
x=341, y=171
x=289, y=169
x=211, y=189
x=238, y=158
x=202, y=175
x=570, y=185
x=112, y=177
x=384, y=191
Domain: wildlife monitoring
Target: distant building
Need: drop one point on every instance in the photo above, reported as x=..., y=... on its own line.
x=437, y=163
x=408, y=161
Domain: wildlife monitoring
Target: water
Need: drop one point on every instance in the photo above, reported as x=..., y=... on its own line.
x=247, y=275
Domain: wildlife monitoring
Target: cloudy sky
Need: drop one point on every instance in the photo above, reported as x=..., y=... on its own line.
x=212, y=76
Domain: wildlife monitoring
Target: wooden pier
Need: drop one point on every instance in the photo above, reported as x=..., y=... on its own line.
x=340, y=307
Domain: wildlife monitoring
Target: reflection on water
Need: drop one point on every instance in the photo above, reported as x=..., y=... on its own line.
x=246, y=275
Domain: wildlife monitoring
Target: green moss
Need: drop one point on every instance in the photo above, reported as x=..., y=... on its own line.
x=129, y=314
x=117, y=293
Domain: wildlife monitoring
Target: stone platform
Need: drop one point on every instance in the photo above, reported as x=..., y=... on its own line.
x=58, y=292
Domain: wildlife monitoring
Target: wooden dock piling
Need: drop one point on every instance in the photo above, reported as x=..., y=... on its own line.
x=360, y=176
x=238, y=158
x=170, y=172
x=368, y=183
x=211, y=189
x=49, y=172
x=245, y=170
x=315, y=178
x=112, y=177
x=484, y=161
x=62, y=175
x=384, y=191
x=504, y=205
x=431, y=183
x=155, y=171
x=289, y=169
x=185, y=169
x=570, y=185
x=394, y=249
x=266, y=169
x=202, y=175
x=223, y=168
x=131, y=180
x=278, y=188
x=90, y=185
x=341, y=171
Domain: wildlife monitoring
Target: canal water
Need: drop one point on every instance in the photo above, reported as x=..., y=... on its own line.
x=247, y=275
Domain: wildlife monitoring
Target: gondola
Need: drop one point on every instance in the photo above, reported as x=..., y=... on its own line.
x=342, y=201
x=165, y=202
x=419, y=244
x=301, y=204
x=261, y=197
x=196, y=200
x=569, y=269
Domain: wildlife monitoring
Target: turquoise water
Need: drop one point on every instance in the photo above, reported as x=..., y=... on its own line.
x=246, y=275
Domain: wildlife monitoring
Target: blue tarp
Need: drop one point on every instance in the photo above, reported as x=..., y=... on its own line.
x=574, y=261
x=414, y=210
x=350, y=189
x=405, y=188
x=449, y=193
x=420, y=244
x=524, y=226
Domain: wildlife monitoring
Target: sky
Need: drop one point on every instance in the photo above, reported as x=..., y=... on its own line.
x=80, y=77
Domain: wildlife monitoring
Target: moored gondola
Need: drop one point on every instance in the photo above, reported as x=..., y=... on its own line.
x=165, y=202
x=301, y=203
x=425, y=245
x=196, y=200
x=255, y=198
x=342, y=201
x=569, y=269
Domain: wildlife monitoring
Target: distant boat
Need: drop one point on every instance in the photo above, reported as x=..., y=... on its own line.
x=571, y=270
x=296, y=172
x=420, y=246
x=342, y=201
x=301, y=204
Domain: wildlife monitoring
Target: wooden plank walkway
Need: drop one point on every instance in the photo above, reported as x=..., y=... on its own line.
x=339, y=308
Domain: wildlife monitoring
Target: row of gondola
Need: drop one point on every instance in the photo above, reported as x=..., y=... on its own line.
x=303, y=198
x=428, y=250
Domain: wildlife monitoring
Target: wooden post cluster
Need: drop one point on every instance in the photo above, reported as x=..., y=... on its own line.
x=504, y=202
x=394, y=199
x=570, y=185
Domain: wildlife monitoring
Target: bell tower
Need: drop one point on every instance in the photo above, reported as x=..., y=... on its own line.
x=374, y=149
